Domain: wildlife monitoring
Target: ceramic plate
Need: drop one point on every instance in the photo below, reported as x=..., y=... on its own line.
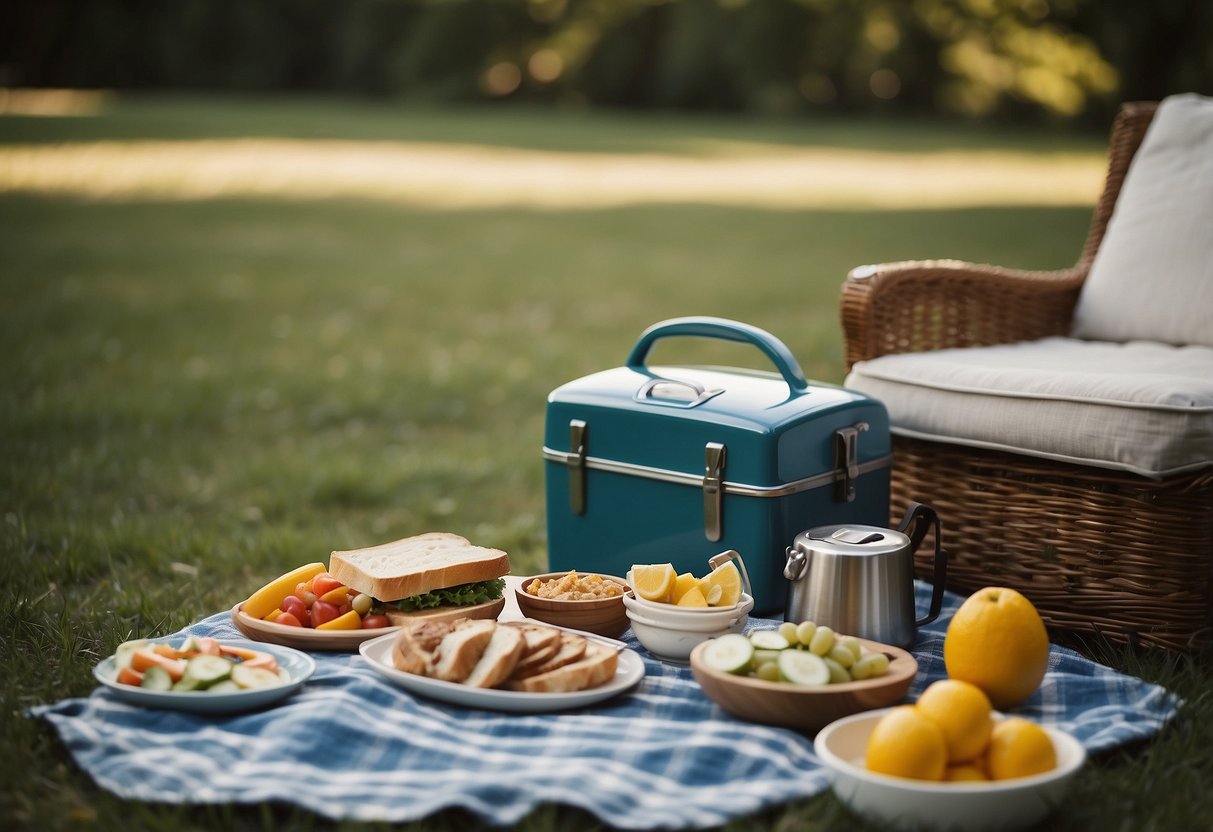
x=379, y=654
x=305, y=638
x=299, y=667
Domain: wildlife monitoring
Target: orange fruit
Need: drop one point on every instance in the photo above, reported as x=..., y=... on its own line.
x=998, y=642
x=1019, y=748
x=654, y=582
x=965, y=772
x=963, y=712
x=905, y=743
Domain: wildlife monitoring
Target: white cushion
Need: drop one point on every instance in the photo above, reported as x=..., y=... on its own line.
x=1152, y=278
x=1141, y=406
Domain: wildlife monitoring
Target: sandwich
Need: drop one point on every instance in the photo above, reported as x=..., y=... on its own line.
x=435, y=576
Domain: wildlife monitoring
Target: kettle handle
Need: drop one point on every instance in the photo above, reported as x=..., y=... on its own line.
x=922, y=518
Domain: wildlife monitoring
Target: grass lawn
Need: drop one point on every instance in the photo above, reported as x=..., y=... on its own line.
x=203, y=391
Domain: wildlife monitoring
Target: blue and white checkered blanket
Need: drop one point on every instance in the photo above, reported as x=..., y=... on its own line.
x=350, y=745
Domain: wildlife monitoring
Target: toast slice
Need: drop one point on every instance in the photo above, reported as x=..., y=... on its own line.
x=597, y=666
x=572, y=648
x=500, y=657
x=461, y=649
x=414, y=647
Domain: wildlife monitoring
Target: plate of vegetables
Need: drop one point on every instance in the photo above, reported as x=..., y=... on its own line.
x=203, y=675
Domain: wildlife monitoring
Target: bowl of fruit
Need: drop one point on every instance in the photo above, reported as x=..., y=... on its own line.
x=800, y=676
x=672, y=613
x=948, y=762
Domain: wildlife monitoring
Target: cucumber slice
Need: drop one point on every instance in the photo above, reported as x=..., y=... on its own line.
x=254, y=677
x=207, y=670
x=763, y=656
x=730, y=653
x=122, y=656
x=768, y=640
x=156, y=678
x=226, y=686
x=188, y=684
x=803, y=668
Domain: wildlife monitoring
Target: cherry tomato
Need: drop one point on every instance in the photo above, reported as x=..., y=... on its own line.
x=323, y=612
x=374, y=622
x=288, y=619
x=303, y=591
x=291, y=604
x=325, y=583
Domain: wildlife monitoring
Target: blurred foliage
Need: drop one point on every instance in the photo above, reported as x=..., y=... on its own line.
x=1021, y=59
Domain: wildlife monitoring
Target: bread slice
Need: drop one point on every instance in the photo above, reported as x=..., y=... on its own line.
x=435, y=560
x=596, y=667
x=497, y=662
x=460, y=649
x=414, y=647
x=572, y=648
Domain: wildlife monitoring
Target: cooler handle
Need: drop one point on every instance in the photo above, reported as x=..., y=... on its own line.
x=726, y=330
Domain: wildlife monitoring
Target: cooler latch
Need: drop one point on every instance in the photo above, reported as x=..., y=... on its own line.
x=846, y=461
x=575, y=460
x=713, y=491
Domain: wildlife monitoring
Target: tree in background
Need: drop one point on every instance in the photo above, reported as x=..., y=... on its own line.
x=1022, y=59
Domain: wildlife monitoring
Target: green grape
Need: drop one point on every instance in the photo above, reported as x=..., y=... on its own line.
x=838, y=673
x=788, y=630
x=870, y=666
x=768, y=671
x=852, y=644
x=842, y=655
x=822, y=641
x=805, y=631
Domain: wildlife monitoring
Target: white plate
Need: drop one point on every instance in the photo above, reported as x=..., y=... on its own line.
x=378, y=654
x=299, y=666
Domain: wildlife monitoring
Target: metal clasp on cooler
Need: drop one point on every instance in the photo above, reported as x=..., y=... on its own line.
x=713, y=491
x=846, y=461
x=575, y=460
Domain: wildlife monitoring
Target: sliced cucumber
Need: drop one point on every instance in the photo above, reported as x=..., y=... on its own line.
x=731, y=653
x=768, y=640
x=226, y=686
x=803, y=668
x=207, y=670
x=763, y=656
x=254, y=677
x=156, y=678
x=187, y=684
x=122, y=656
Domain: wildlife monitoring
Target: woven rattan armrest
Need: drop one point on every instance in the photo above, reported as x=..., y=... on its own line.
x=936, y=304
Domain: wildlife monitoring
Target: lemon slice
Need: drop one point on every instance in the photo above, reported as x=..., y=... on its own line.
x=712, y=592
x=682, y=584
x=693, y=597
x=728, y=579
x=654, y=582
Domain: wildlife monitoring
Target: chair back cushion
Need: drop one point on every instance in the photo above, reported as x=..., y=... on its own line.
x=1152, y=278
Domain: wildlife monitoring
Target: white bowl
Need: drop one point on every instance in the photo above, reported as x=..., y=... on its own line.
x=921, y=804
x=671, y=633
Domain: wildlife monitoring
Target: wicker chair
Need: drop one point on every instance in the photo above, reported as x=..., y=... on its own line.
x=1097, y=550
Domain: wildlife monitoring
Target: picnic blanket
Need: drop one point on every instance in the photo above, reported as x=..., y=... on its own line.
x=349, y=745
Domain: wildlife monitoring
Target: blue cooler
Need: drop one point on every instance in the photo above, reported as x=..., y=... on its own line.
x=648, y=464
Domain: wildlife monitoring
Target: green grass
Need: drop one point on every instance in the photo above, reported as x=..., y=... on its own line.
x=200, y=395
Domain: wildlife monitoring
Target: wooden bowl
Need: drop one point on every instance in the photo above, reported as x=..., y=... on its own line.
x=805, y=708
x=604, y=616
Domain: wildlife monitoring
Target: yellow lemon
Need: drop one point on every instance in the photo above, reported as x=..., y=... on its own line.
x=654, y=582
x=964, y=772
x=998, y=642
x=907, y=744
x=682, y=584
x=963, y=713
x=1019, y=748
x=693, y=597
x=728, y=579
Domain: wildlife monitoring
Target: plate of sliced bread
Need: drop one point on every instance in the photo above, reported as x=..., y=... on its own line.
x=515, y=666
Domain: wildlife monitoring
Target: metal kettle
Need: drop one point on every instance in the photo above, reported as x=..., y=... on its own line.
x=859, y=580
